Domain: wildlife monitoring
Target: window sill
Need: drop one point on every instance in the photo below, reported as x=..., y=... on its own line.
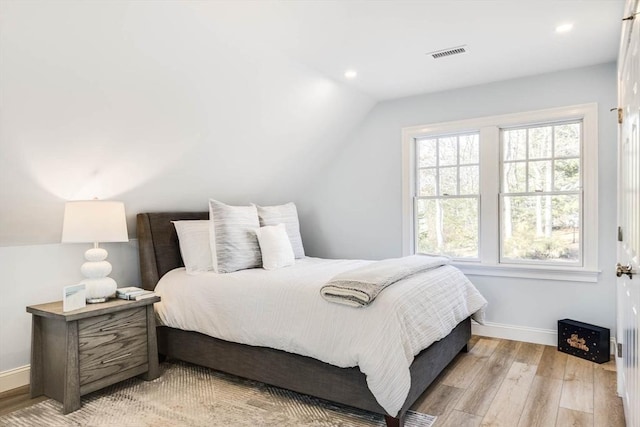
x=568, y=274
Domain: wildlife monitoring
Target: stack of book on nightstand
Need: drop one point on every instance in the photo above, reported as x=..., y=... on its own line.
x=134, y=293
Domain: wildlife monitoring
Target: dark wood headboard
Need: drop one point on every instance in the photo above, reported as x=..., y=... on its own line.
x=158, y=244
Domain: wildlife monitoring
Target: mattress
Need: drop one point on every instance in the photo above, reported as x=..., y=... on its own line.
x=283, y=309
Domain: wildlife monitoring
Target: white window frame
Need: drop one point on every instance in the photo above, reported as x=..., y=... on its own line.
x=440, y=195
x=488, y=263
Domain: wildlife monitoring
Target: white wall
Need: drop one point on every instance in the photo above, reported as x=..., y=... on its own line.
x=354, y=208
x=154, y=103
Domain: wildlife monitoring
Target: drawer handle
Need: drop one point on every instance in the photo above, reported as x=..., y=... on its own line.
x=115, y=358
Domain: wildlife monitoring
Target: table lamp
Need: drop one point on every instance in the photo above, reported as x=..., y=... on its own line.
x=94, y=221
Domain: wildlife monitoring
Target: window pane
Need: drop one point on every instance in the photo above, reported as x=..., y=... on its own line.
x=448, y=151
x=541, y=228
x=469, y=176
x=540, y=176
x=448, y=181
x=469, y=146
x=515, y=177
x=540, y=142
x=567, y=175
x=515, y=144
x=448, y=227
x=427, y=185
x=567, y=140
x=427, y=152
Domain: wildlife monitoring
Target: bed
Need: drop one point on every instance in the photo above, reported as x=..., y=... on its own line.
x=160, y=254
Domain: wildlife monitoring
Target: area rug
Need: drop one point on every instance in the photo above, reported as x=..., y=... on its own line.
x=189, y=395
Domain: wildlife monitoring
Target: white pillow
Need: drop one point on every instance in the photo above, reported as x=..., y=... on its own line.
x=286, y=214
x=193, y=237
x=234, y=245
x=275, y=247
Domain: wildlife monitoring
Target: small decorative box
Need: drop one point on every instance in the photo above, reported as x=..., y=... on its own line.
x=583, y=340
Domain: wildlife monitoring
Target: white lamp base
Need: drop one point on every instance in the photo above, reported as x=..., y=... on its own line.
x=99, y=287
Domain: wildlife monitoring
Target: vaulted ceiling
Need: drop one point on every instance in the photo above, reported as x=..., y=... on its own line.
x=387, y=42
x=163, y=104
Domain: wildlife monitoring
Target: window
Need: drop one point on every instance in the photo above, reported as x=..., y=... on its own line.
x=540, y=197
x=448, y=195
x=512, y=195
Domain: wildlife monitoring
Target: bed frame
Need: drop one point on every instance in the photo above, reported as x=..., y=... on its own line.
x=159, y=253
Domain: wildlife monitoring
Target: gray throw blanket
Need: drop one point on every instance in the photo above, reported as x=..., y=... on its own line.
x=360, y=286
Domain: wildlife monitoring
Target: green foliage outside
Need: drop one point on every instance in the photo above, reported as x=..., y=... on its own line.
x=448, y=227
x=540, y=159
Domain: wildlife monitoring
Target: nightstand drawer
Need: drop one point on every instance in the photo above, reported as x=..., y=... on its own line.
x=111, y=343
x=112, y=358
x=96, y=331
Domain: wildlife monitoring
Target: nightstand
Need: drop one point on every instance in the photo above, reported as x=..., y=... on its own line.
x=81, y=351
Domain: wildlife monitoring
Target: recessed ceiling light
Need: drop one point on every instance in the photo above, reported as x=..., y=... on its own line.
x=351, y=74
x=564, y=28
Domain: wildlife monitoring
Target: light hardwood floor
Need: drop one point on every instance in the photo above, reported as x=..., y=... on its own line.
x=510, y=383
x=499, y=383
x=17, y=398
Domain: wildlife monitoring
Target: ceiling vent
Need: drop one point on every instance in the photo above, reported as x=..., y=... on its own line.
x=437, y=54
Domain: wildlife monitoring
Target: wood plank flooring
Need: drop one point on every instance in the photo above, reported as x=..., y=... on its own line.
x=18, y=398
x=499, y=383
x=510, y=383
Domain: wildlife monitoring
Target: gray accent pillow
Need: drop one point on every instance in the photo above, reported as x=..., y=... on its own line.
x=286, y=214
x=234, y=244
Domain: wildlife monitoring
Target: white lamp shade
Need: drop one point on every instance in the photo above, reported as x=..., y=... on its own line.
x=94, y=221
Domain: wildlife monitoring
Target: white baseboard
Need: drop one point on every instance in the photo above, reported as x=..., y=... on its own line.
x=612, y=348
x=523, y=333
x=14, y=378
x=516, y=333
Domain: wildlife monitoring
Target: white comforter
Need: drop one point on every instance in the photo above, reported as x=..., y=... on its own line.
x=283, y=309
